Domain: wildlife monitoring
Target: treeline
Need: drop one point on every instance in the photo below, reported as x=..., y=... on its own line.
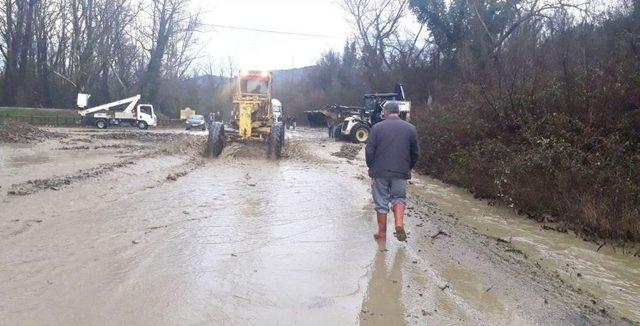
x=53, y=49
x=538, y=105
x=335, y=79
x=535, y=103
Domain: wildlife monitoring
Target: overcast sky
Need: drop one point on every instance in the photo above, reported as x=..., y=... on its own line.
x=260, y=50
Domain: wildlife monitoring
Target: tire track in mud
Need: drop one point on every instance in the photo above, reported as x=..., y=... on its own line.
x=57, y=183
x=174, y=144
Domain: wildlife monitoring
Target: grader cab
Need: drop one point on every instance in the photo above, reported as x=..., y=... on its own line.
x=253, y=116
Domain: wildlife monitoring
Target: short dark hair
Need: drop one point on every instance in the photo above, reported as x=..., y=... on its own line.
x=392, y=107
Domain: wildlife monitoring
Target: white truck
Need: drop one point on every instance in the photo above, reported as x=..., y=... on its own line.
x=137, y=115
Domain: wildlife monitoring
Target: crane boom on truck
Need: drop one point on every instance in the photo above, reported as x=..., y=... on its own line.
x=102, y=116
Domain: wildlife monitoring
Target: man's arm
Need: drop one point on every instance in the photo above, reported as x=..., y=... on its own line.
x=415, y=148
x=370, y=150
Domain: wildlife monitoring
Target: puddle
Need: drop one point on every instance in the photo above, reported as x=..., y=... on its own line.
x=469, y=287
x=612, y=277
x=382, y=304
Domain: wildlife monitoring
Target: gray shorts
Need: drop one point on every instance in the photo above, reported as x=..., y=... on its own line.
x=389, y=192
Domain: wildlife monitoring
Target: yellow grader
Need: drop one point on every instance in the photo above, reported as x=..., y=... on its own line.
x=254, y=117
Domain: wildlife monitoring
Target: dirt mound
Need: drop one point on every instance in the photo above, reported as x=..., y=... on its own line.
x=249, y=150
x=12, y=131
x=184, y=144
x=348, y=151
x=296, y=149
x=167, y=143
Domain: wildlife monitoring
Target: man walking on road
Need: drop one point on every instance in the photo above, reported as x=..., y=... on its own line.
x=392, y=151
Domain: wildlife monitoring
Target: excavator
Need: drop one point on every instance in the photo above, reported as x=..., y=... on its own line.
x=254, y=117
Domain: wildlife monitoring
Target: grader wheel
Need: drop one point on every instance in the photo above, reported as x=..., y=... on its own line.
x=276, y=140
x=215, y=141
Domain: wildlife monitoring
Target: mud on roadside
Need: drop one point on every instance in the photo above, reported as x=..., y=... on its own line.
x=12, y=131
x=348, y=151
x=137, y=144
x=498, y=268
x=57, y=183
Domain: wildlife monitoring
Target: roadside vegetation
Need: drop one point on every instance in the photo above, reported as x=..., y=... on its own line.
x=533, y=103
x=546, y=119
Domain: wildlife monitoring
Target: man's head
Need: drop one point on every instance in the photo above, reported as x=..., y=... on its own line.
x=391, y=109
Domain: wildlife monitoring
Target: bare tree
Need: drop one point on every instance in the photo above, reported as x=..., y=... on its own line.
x=172, y=25
x=375, y=22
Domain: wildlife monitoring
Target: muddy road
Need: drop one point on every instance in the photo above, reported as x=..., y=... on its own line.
x=126, y=227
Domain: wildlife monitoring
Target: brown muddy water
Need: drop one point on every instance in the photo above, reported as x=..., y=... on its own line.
x=242, y=240
x=234, y=242
x=608, y=274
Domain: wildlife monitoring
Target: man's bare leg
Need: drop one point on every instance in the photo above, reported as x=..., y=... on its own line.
x=382, y=227
x=398, y=214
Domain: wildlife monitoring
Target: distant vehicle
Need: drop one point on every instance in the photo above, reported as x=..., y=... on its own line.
x=196, y=122
x=253, y=116
x=356, y=127
x=354, y=123
x=134, y=114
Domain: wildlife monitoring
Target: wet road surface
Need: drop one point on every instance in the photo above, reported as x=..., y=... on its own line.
x=243, y=244
x=246, y=241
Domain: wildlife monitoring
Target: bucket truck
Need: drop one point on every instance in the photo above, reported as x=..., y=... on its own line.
x=138, y=115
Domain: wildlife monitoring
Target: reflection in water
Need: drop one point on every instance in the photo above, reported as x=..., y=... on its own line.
x=382, y=305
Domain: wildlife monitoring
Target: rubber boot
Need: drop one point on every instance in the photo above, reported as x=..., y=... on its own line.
x=398, y=214
x=382, y=227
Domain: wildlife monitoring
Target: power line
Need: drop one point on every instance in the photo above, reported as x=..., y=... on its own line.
x=259, y=30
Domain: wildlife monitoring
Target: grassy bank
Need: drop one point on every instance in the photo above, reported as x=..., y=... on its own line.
x=26, y=112
x=42, y=117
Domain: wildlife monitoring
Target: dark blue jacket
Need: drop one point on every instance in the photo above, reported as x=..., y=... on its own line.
x=392, y=150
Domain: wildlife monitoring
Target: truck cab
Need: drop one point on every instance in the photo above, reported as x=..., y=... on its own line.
x=146, y=113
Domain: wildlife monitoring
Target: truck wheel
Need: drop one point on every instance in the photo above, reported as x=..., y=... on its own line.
x=276, y=140
x=142, y=125
x=101, y=124
x=360, y=133
x=215, y=141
